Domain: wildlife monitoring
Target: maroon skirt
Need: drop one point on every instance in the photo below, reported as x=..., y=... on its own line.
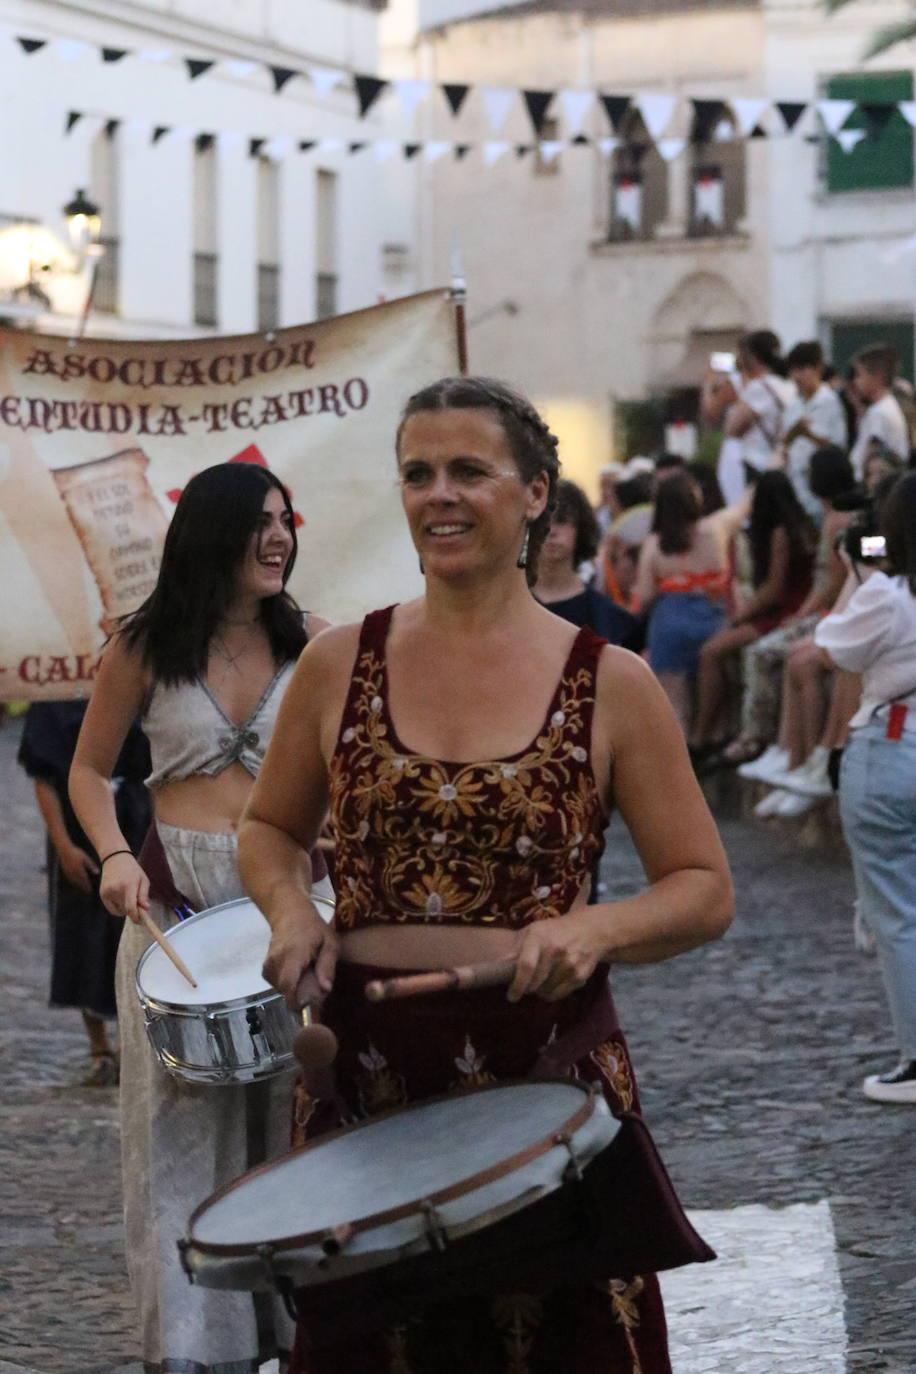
x=394, y=1053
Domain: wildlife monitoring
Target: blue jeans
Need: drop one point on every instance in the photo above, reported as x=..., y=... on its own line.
x=878, y=811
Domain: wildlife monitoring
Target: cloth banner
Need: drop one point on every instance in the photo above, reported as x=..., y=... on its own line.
x=98, y=438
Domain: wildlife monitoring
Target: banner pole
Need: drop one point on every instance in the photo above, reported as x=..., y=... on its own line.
x=459, y=300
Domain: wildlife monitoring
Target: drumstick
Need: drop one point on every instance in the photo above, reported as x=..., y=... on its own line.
x=315, y=1046
x=166, y=947
x=495, y=974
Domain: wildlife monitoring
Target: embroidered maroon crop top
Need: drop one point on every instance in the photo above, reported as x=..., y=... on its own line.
x=496, y=843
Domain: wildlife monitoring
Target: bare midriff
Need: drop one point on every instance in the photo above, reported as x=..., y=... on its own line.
x=212, y=804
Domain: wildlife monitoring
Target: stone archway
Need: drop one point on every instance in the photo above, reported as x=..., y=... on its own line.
x=703, y=314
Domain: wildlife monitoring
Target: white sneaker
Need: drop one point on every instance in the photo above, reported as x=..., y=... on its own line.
x=771, y=803
x=773, y=760
x=809, y=777
x=897, y=1086
x=795, y=804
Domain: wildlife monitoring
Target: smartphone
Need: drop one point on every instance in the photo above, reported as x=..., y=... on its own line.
x=722, y=362
x=874, y=546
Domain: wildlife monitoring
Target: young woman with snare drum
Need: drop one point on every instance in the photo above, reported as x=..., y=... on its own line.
x=471, y=747
x=205, y=662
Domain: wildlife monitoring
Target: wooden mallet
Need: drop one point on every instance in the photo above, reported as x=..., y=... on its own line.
x=498, y=973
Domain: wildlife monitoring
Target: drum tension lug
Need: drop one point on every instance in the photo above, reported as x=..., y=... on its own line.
x=573, y=1170
x=436, y=1233
x=334, y=1240
x=183, y=1247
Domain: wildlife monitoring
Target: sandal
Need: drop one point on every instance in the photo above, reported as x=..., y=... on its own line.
x=104, y=1071
x=742, y=750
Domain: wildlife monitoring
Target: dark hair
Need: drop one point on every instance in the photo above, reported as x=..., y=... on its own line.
x=897, y=520
x=667, y=461
x=205, y=544
x=880, y=359
x=806, y=354
x=678, y=507
x=634, y=491
x=776, y=505
x=531, y=443
x=830, y=473
x=574, y=506
x=704, y=474
x=764, y=346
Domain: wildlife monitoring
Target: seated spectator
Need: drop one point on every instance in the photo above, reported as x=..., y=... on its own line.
x=758, y=418
x=874, y=370
x=704, y=474
x=782, y=540
x=667, y=465
x=814, y=419
x=608, y=507
x=619, y=554
x=572, y=540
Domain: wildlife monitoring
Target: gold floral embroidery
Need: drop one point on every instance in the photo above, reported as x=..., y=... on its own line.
x=379, y=1087
x=517, y=1316
x=625, y=1304
x=471, y=1067
x=304, y=1108
x=615, y=1070
x=504, y=842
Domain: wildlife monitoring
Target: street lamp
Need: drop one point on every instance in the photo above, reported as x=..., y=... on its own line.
x=84, y=223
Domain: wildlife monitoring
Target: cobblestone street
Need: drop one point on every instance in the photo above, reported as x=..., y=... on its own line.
x=750, y=1055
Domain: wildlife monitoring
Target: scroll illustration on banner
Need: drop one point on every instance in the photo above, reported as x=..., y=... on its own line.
x=98, y=438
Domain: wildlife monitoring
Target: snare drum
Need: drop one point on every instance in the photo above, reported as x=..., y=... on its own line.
x=233, y=1027
x=458, y=1194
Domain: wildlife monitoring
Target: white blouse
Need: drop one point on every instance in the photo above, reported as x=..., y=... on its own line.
x=875, y=635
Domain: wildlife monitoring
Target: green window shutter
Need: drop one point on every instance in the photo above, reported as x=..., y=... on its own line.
x=884, y=159
x=848, y=336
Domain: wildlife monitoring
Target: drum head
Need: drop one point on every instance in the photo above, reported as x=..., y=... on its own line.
x=224, y=947
x=384, y=1164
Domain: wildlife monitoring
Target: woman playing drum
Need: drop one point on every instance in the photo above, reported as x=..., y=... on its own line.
x=470, y=746
x=205, y=662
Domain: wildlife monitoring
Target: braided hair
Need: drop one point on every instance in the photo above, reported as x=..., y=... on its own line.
x=532, y=445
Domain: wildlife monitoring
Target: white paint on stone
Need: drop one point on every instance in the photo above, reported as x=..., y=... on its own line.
x=771, y=1304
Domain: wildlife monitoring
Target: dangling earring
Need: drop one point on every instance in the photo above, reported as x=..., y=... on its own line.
x=422, y=569
x=523, y=554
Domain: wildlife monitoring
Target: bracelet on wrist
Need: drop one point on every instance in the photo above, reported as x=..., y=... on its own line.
x=114, y=852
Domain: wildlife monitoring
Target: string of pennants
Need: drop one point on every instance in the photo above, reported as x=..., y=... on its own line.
x=709, y=120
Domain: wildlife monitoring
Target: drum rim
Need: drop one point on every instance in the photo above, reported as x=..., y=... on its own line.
x=197, y=1009
x=470, y=1183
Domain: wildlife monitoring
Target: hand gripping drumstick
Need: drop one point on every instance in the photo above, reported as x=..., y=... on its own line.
x=496, y=974
x=166, y=946
x=315, y=1046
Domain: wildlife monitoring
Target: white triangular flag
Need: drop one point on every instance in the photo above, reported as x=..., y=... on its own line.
x=384, y=149
x=137, y=126
x=549, y=148
x=576, y=105
x=670, y=148
x=492, y=152
x=656, y=110
x=277, y=148
x=835, y=113
x=331, y=145
x=228, y=140
x=324, y=79
x=908, y=109
x=154, y=55
x=238, y=67
x=724, y=131
x=497, y=101
x=182, y=133
x=748, y=110
x=70, y=48
x=410, y=93
x=436, y=148
x=608, y=146
x=848, y=138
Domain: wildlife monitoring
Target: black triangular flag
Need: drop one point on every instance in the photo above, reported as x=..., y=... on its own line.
x=538, y=103
x=616, y=107
x=368, y=90
x=73, y=118
x=306, y=144
x=461, y=150
x=30, y=45
x=522, y=148
x=353, y=147
x=411, y=150
x=111, y=128
x=281, y=75
x=456, y=96
x=113, y=54
x=204, y=142
x=582, y=141
x=197, y=66
x=707, y=116
x=758, y=131
x=160, y=131
x=877, y=114
x=255, y=145
x=791, y=111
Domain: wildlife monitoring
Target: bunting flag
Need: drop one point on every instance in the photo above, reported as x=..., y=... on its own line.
x=576, y=105
x=537, y=104
x=670, y=148
x=877, y=115
x=493, y=151
x=239, y=67
x=497, y=102
x=656, y=110
x=708, y=115
x=747, y=111
x=455, y=95
x=73, y=118
x=436, y=148
x=849, y=138
x=112, y=55
x=835, y=113
x=71, y=48
x=791, y=111
x=198, y=66
x=410, y=94
x=616, y=107
x=368, y=90
x=324, y=79
x=549, y=150
x=281, y=75
x=908, y=109
x=31, y=45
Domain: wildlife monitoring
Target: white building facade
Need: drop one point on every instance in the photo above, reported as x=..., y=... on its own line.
x=213, y=218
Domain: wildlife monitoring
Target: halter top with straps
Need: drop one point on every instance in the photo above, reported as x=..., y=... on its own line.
x=190, y=733
x=500, y=842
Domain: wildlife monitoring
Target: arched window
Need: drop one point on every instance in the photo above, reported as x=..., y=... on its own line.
x=639, y=183
x=718, y=201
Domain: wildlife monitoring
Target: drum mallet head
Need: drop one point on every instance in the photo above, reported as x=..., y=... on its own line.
x=315, y=1046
